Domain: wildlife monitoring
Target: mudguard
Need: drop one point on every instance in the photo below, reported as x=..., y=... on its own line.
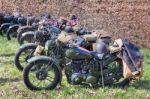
x=28, y=33
x=40, y=58
x=28, y=44
x=25, y=35
x=12, y=29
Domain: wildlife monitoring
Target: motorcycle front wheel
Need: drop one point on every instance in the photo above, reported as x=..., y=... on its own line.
x=41, y=75
x=22, y=30
x=27, y=39
x=23, y=54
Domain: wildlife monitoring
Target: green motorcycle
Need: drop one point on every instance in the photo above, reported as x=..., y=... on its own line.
x=82, y=67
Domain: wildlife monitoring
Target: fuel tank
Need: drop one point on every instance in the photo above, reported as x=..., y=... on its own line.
x=78, y=53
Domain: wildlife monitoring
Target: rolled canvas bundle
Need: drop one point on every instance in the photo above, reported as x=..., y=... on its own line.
x=66, y=37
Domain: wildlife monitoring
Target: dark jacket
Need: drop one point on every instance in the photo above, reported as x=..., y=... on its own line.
x=131, y=55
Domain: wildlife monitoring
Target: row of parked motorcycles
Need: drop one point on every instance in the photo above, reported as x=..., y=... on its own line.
x=50, y=49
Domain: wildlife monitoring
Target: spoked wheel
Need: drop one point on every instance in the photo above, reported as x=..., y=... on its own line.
x=23, y=55
x=12, y=31
x=10, y=35
x=22, y=30
x=41, y=75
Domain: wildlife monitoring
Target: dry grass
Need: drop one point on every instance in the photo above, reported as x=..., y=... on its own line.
x=123, y=18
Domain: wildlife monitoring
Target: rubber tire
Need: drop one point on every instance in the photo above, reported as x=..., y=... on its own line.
x=13, y=31
x=4, y=27
x=30, y=86
x=19, y=52
x=22, y=30
x=25, y=38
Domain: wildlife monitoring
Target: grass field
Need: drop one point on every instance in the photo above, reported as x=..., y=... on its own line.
x=12, y=86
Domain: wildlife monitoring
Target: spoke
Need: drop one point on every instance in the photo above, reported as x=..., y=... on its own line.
x=22, y=57
x=44, y=68
x=49, y=80
x=50, y=77
x=46, y=83
x=32, y=77
x=39, y=83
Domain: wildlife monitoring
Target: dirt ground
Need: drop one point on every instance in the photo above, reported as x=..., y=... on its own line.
x=123, y=18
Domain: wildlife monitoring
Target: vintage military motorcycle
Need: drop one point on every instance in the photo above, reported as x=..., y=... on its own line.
x=26, y=51
x=44, y=34
x=81, y=66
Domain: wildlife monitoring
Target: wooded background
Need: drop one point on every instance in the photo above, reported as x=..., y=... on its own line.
x=124, y=18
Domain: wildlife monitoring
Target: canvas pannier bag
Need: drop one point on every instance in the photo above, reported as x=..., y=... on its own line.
x=64, y=37
x=128, y=74
x=39, y=49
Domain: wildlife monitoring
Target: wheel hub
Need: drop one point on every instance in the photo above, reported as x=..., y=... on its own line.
x=41, y=75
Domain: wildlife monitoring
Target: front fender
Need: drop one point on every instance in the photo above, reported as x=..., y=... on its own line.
x=39, y=58
x=22, y=30
x=30, y=33
x=16, y=26
x=28, y=44
x=27, y=36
